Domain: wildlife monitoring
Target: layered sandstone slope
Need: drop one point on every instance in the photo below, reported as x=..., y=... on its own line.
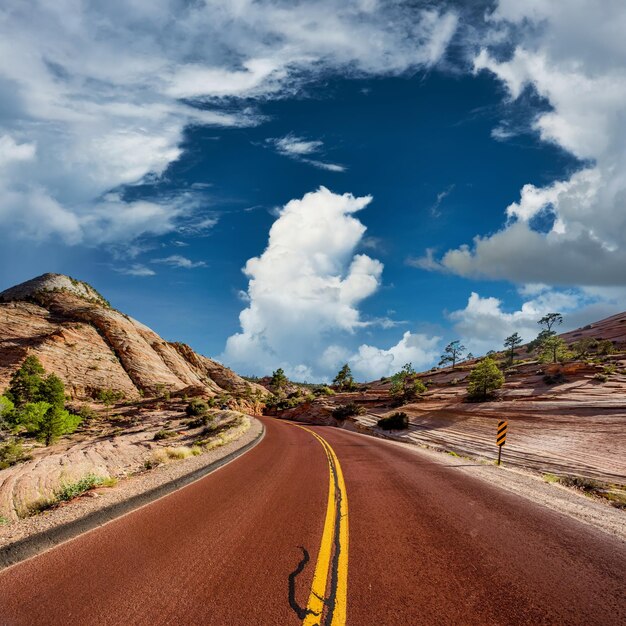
x=565, y=419
x=91, y=346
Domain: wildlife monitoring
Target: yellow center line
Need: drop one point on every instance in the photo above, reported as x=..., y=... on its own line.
x=322, y=607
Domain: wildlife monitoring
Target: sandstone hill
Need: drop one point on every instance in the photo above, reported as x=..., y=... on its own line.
x=568, y=419
x=77, y=335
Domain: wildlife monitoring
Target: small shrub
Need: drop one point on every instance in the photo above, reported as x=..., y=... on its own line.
x=396, y=421
x=554, y=379
x=3, y=520
x=617, y=500
x=551, y=478
x=344, y=411
x=39, y=506
x=69, y=491
x=11, y=453
x=164, y=434
x=204, y=420
x=605, y=347
x=86, y=413
x=578, y=482
x=601, y=377
x=209, y=429
x=197, y=406
x=181, y=452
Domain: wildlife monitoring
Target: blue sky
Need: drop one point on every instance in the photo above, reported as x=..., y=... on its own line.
x=377, y=141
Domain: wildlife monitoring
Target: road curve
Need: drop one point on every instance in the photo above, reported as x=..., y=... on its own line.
x=427, y=545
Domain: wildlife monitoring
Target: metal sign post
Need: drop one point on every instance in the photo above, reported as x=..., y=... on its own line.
x=501, y=437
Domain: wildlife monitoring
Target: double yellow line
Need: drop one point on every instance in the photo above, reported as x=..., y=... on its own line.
x=328, y=598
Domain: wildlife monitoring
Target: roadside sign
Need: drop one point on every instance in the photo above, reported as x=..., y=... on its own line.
x=501, y=436
x=503, y=426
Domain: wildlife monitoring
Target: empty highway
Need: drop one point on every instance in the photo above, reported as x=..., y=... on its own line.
x=317, y=525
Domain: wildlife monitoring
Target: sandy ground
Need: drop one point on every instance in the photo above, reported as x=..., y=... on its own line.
x=126, y=488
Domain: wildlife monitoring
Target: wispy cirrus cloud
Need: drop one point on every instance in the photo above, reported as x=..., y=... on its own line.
x=92, y=103
x=179, y=261
x=435, y=208
x=301, y=149
x=136, y=269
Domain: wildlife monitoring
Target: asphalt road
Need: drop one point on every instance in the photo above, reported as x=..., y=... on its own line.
x=388, y=535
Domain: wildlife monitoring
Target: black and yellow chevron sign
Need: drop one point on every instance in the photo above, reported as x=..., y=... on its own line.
x=501, y=436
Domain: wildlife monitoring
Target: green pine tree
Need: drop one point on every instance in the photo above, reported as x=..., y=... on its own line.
x=344, y=381
x=484, y=379
x=25, y=382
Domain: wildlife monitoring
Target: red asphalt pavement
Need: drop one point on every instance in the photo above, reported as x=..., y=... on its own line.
x=427, y=545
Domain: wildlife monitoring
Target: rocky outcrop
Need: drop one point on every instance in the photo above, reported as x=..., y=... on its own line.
x=91, y=346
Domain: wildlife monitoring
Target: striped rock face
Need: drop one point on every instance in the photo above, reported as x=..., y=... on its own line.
x=76, y=334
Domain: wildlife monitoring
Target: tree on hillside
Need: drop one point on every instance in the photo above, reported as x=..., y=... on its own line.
x=6, y=412
x=52, y=390
x=109, y=397
x=452, y=353
x=405, y=385
x=344, y=380
x=26, y=381
x=40, y=402
x=554, y=350
x=484, y=379
x=48, y=422
x=511, y=343
x=584, y=346
x=550, y=320
x=278, y=381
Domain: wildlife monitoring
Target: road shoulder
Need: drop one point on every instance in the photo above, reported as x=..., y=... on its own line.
x=28, y=537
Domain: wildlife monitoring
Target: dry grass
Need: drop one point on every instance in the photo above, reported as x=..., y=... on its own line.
x=165, y=455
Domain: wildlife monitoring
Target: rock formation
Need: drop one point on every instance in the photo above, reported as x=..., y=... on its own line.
x=77, y=335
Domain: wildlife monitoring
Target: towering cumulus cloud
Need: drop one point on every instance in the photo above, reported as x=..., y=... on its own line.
x=306, y=285
x=304, y=293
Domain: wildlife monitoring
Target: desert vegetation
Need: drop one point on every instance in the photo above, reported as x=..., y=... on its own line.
x=396, y=421
x=35, y=404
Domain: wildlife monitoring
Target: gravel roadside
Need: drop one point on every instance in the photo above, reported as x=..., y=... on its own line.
x=133, y=487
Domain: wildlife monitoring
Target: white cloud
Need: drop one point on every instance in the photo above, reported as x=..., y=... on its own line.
x=176, y=260
x=323, y=165
x=484, y=323
x=435, y=209
x=370, y=363
x=575, y=59
x=290, y=145
x=137, y=269
x=299, y=148
x=306, y=286
x=304, y=293
x=96, y=96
